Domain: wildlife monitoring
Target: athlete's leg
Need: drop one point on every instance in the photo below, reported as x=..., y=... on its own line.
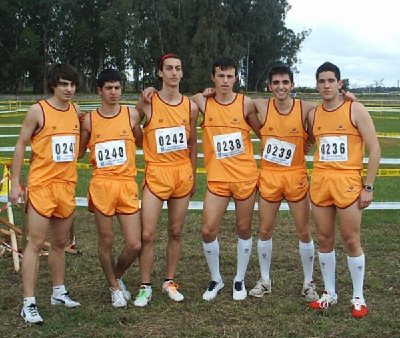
x=105, y=243
x=131, y=230
x=37, y=227
x=214, y=208
x=350, y=226
x=151, y=209
x=177, y=209
x=324, y=218
x=244, y=217
x=59, y=231
x=300, y=211
x=267, y=213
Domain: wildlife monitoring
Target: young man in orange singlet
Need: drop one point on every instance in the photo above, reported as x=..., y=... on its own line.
x=283, y=175
x=170, y=152
x=110, y=133
x=341, y=129
x=52, y=128
x=231, y=171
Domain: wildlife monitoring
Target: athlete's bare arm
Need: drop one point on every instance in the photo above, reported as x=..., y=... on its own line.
x=136, y=119
x=261, y=108
x=200, y=101
x=363, y=122
x=194, y=113
x=84, y=134
x=32, y=123
x=251, y=115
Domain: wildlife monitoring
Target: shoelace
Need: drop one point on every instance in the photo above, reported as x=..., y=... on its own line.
x=238, y=286
x=324, y=301
x=32, y=309
x=357, y=304
x=142, y=294
x=212, y=286
x=172, y=286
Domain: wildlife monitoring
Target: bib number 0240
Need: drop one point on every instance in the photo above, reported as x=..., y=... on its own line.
x=110, y=153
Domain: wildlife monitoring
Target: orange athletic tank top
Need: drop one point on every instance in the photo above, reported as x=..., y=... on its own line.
x=285, y=136
x=227, y=147
x=339, y=143
x=55, y=146
x=112, y=145
x=167, y=133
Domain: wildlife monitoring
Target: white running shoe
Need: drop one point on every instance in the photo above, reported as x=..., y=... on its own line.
x=239, y=290
x=309, y=291
x=213, y=290
x=117, y=298
x=324, y=302
x=260, y=289
x=144, y=296
x=30, y=314
x=171, y=289
x=63, y=299
x=124, y=290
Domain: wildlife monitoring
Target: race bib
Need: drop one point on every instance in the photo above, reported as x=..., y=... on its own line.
x=333, y=149
x=279, y=152
x=63, y=148
x=171, y=139
x=228, y=145
x=110, y=153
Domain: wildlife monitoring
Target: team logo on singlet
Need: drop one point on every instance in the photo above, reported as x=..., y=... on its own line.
x=340, y=127
x=294, y=131
x=160, y=121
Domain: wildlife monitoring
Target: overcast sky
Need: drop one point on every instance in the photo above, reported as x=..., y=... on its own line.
x=362, y=37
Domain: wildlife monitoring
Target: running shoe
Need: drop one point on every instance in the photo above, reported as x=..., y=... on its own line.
x=144, y=296
x=171, y=289
x=358, y=308
x=309, y=291
x=63, y=299
x=30, y=314
x=260, y=289
x=239, y=290
x=213, y=290
x=324, y=302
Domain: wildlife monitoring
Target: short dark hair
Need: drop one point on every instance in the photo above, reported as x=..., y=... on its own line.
x=328, y=67
x=108, y=75
x=160, y=63
x=224, y=63
x=280, y=69
x=63, y=71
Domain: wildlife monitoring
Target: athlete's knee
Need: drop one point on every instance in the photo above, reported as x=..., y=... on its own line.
x=35, y=244
x=209, y=233
x=148, y=236
x=304, y=233
x=243, y=229
x=106, y=241
x=352, y=245
x=133, y=245
x=175, y=232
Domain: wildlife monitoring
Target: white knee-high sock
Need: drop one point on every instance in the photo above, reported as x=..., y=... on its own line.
x=211, y=252
x=327, y=262
x=243, y=250
x=264, y=249
x=357, y=270
x=306, y=251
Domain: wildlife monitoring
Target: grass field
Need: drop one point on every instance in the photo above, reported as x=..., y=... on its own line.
x=282, y=314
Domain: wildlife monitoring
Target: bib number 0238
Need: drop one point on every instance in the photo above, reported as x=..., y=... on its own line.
x=228, y=145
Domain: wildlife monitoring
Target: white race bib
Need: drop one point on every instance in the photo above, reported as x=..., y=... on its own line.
x=110, y=153
x=63, y=148
x=333, y=149
x=228, y=145
x=171, y=139
x=279, y=152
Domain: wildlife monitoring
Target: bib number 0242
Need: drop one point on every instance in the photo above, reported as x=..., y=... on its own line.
x=171, y=139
